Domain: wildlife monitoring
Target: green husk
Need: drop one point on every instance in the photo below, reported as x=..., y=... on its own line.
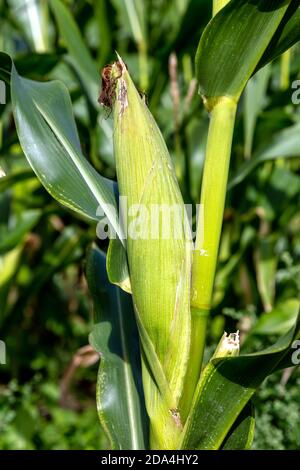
x=160, y=268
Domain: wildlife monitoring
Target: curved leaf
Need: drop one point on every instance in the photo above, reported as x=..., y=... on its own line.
x=117, y=266
x=80, y=56
x=119, y=393
x=9, y=264
x=28, y=64
x=233, y=43
x=14, y=234
x=9, y=180
x=285, y=144
x=278, y=321
x=48, y=135
x=255, y=100
x=286, y=36
x=225, y=388
x=241, y=434
x=32, y=16
x=5, y=67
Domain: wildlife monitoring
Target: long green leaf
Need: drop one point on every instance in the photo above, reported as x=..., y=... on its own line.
x=10, y=237
x=278, y=321
x=5, y=67
x=33, y=16
x=119, y=396
x=286, y=35
x=136, y=15
x=285, y=144
x=48, y=135
x=80, y=56
x=225, y=388
x=9, y=264
x=117, y=266
x=255, y=100
x=7, y=181
x=29, y=64
x=266, y=262
x=233, y=43
x=241, y=434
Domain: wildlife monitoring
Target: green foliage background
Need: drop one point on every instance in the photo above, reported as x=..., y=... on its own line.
x=45, y=309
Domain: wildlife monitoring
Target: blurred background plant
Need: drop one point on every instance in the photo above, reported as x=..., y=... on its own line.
x=47, y=387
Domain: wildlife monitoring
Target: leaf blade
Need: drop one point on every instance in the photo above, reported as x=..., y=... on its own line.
x=228, y=46
x=48, y=136
x=80, y=56
x=225, y=388
x=285, y=144
x=241, y=434
x=119, y=396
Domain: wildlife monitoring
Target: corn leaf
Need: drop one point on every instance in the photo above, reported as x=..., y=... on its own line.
x=102, y=16
x=32, y=15
x=120, y=400
x=117, y=266
x=226, y=387
x=278, y=321
x=266, y=261
x=233, y=43
x=9, y=263
x=65, y=250
x=285, y=144
x=287, y=34
x=255, y=100
x=18, y=228
x=241, y=434
x=136, y=11
x=5, y=67
x=48, y=135
x=29, y=64
x=80, y=56
x=9, y=180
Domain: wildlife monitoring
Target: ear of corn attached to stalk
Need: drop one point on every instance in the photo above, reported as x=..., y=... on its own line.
x=159, y=255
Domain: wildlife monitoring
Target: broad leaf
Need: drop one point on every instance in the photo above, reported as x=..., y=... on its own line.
x=241, y=434
x=136, y=11
x=9, y=264
x=32, y=16
x=5, y=67
x=80, y=56
x=119, y=393
x=254, y=102
x=9, y=180
x=225, y=272
x=279, y=320
x=285, y=144
x=233, y=43
x=266, y=260
x=48, y=136
x=66, y=249
x=117, y=266
x=287, y=34
x=29, y=64
x=225, y=388
x=18, y=228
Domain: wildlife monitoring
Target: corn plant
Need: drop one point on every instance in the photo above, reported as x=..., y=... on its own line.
x=152, y=296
